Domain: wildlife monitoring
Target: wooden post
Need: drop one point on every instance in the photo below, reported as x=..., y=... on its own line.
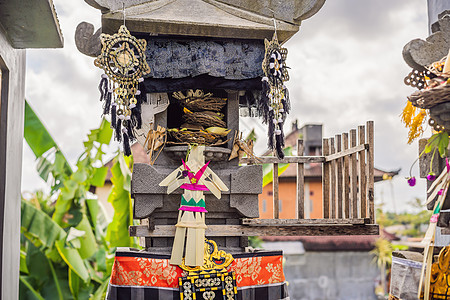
x=333, y=180
x=370, y=182
x=326, y=181
x=300, y=183
x=353, y=177
x=346, y=176
x=339, y=176
x=276, y=203
x=362, y=172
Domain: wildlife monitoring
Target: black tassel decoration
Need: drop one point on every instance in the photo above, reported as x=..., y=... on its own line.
x=126, y=145
x=271, y=129
x=275, y=104
x=103, y=86
x=119, y=131
x=113, y=117
x=107, y=106
x=279, y=143
x=138, y=117
x=130, y=131
x=136, y=114
x=141, y=87
x=264, y=104
x=250, y=102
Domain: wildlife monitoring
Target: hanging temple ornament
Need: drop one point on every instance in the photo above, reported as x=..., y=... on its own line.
x=121, y=87
x=274, y=105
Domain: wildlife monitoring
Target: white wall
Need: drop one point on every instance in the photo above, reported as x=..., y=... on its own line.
x=15, y=62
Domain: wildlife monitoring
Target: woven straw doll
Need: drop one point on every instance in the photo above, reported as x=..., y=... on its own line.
x=194, y=176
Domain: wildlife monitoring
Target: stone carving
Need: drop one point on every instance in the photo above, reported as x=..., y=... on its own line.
x=178, y=58
x=419, y=53
x=86, y=40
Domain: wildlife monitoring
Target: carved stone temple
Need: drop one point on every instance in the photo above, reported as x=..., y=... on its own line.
x=216, y=46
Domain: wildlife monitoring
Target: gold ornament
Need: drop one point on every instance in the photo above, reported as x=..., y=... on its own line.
x=211, y=279
x=213, y=260
x=124, y=62
x=275, y=104
x=123, y=56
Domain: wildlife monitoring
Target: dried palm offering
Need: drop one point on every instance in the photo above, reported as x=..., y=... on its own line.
x=199, y=101
x=200, y=137
x=204, y=118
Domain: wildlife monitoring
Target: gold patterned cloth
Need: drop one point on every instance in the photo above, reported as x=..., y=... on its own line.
x=140, y=275
x=144, y=269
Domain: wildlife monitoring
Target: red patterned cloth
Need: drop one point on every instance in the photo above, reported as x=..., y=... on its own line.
x=143, y=269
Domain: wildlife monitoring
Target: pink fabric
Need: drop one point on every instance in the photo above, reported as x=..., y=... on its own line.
x=434, y=218
x=194, y=187
x=193, y=208
x=197, y=175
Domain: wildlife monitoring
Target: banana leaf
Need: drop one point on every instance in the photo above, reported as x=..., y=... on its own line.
x=23, y=263
x=39, y=225
x=120, y=198
x=100, y=293
x=100, y=135
x=24, y=281
x=73, y=259
x=74, y=284
x=40, y=140
x=99, y=176
x=88, y=245
x=268, y=168
x=35, y=133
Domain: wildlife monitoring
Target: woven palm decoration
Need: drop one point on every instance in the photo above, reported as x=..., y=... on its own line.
x=121, y=87
x=274, y=105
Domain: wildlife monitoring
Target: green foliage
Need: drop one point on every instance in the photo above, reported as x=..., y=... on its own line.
x=412, y=221
x=382, y=253
x=438, y=141
x=252, y=136
x=268, y=168
x=255, y=241
x=383, y=259
x=35, y=133
x=120, y=198
x=65, y=251
x=38, y=227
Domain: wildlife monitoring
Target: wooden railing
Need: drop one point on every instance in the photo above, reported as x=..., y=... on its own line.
x=347, y=180
x=347, y=193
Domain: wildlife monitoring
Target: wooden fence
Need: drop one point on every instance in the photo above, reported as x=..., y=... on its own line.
x=347, y=181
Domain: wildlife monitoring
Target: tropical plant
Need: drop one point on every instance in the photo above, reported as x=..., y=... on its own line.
x=268, y=168
x=67, y=246
x=414, y=221
x=383, y=259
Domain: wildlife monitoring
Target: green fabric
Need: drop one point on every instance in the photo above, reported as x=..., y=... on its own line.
x=437, y=209
x=192, y=202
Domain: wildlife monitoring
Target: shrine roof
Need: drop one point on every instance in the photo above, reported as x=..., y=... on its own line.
x=208, y=18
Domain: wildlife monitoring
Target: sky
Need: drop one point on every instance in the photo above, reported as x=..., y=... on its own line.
x=346, y=67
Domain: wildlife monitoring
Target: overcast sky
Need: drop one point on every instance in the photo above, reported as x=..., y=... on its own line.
x=346, y=68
